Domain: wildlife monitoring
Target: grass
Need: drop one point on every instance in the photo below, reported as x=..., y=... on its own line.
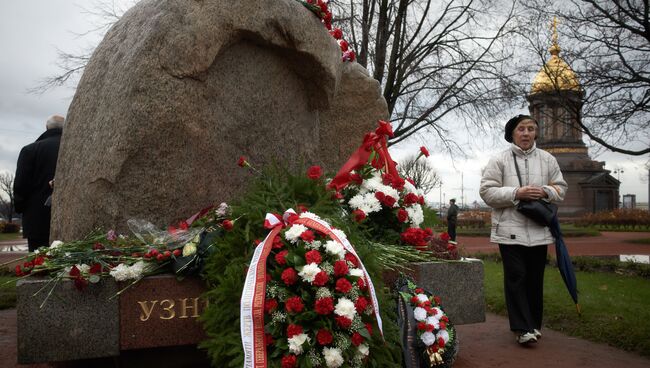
x=568, y=230
x=615, y=308
x=7, y=292
x=10, y=236
x=639, y=241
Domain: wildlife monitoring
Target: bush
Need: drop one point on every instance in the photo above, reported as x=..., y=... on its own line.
x=9, y=227
x=619, y=219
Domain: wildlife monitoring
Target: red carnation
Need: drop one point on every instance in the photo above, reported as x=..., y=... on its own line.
x=424, y=151
x=293, y=330
x=313, y=256
x=289, y=361
x=19, y=272
x=441, y=342
x=307, y=236
x=294, y=305
x=443, y=325
x=277, y=243
x=386, y=179
x=336, y=33
x=343, y=285
x=361, y=304
x=421, y=200
x=437, y=300
x=341, y=268
x=95, y=268
x=98, y=246
x=380, y=196
x=352, y=259
x=356, y=178
x=343, y=322
x=268, y=339
x=369, y=328
x=227, y=225
x=321, y=279
x=414, y=299
x=324, y=306
x=422, y=326
x=357, y=339
x=444, y=237
x=270, y=305
x=410, y=199
x=39, y=260
x=429, y=328
x=324, y=337
x=389, y=201
x=359, y=215
x=314, y=172
x=402, y=215
x=384, y=128
x=415, y=236
x=242, y=161
x=302, y=208
x=398, y=183
x=289, y=276
x=280, y=258
x=343, y=44
x=337, y=195
x=361, y=283
x=419, y=291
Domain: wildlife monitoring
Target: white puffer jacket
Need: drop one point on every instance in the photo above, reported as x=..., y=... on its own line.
x=498, y=187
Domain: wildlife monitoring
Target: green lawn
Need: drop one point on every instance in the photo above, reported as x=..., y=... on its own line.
x=10, y=236
x=7, y=292
x=615, y=308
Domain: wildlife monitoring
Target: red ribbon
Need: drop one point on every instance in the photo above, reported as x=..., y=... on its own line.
x=373, y=141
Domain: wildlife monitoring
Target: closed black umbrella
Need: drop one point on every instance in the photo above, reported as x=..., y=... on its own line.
x=564, y=262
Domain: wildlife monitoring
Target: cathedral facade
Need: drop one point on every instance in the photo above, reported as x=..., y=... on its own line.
x=555, y=101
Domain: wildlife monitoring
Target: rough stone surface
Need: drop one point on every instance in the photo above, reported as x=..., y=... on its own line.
x=154, y=311
x=459, y=285
x=178, y=90
x=71, y=325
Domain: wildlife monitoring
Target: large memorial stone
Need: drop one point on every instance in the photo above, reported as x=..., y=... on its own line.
x=458, y=283
x=178, y=90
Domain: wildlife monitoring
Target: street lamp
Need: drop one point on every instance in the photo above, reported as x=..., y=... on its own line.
x=618, y=173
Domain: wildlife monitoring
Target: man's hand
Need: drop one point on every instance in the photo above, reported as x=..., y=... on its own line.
x=530, y=193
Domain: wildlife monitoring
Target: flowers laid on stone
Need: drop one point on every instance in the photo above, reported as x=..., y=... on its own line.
x=319, y=308
x=321, y=9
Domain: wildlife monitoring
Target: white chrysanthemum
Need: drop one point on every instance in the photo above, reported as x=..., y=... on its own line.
x=374, y=183
x=367, y=203
x=356, y=272
x=310, y=215
x=422, y=298
x=55, y=244
x=435, y=322
x=444, y=335
x=335, y=248
x=363, y=350
x=416, y=216
x=309, y=272
x=339, y=234
x=420, y=314
x=333, y=357
x=428, y=338
x=294, y=232
x=222, y=210
x=137, y=270
x=410, y=188
x=344, y=307
x=296, y=342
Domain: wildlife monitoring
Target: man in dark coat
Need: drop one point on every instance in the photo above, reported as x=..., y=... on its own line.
x=452, y=218
x=33, y=183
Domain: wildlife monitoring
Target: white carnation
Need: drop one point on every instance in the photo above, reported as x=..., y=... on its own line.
x=333, y=357
x=309, y=215
x=294, y=232
x=437, y=312
x=55, y=244
x=345, y=307
x=335, y=248
x=120, y=272
x=435, y=322
x=428, y=338
x=420, y=314
x=422, y=298
x=309, y=272
x=356, y=272
x=363, y=350
x=296, y=342
x=83, y=268
x=416, y=216
x=444, y=335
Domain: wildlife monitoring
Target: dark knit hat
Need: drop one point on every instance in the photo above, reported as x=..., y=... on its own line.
x=512, y=124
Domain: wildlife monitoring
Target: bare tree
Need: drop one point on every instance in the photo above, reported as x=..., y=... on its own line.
x=421, y=172
x=7, y=195
x=607, y=43
x=440, y=63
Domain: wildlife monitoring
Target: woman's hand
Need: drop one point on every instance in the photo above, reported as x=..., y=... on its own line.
x=530, y=193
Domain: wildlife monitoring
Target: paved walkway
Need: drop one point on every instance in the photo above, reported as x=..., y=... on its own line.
x=484, y=345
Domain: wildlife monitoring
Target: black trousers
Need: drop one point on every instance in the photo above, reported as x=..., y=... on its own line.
x=523, y=279
x=33, y=243
x=451, y=229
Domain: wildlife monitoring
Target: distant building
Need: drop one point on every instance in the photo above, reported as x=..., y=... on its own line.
x=555, y=101
x=629, y=201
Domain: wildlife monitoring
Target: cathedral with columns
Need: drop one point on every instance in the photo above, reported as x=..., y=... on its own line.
x=555, y=101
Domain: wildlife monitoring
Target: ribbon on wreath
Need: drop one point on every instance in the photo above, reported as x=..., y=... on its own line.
x=373, y=141
x=254, y=292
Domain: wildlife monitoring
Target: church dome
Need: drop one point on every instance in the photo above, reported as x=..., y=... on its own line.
x=556, y=75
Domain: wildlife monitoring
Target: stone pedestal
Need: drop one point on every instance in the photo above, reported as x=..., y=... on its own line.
x=458, y=283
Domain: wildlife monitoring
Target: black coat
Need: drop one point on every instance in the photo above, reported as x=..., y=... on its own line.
x=35, y=168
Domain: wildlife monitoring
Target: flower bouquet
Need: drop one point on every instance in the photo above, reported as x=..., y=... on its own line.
x=319, y=307
x=421, y=316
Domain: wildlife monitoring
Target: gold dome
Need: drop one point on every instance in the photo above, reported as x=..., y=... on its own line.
x=556, y=75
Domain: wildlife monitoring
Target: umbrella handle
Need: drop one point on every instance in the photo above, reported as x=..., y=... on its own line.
x=578, y=309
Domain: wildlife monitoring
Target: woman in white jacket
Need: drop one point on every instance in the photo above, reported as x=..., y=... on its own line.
x=522, y=243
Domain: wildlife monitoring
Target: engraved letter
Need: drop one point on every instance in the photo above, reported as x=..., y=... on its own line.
x=169, y=308
x=146, y=312
x=194, y=306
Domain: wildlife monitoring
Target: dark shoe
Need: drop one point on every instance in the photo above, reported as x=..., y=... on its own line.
x=526, y=338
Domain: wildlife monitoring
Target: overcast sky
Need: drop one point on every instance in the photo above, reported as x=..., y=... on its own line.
x=32, y=30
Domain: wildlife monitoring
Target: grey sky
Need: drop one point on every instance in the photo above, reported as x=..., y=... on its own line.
x=32, y=30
